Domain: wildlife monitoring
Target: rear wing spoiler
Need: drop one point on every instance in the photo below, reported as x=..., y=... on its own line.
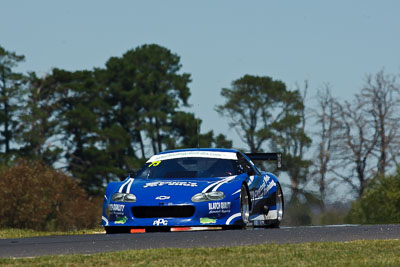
x=267, y=156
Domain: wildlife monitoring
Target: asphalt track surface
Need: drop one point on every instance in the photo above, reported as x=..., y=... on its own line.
x=97, y=243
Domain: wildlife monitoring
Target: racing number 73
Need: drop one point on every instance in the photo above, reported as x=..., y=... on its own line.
x=155, y=163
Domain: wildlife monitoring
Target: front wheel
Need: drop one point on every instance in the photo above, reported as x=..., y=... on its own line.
x=244, y=205
x=116, y=229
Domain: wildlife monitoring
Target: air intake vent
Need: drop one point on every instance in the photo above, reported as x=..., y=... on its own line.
x=163, y=211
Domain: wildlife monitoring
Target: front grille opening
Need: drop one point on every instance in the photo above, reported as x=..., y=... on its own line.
x=163, y=211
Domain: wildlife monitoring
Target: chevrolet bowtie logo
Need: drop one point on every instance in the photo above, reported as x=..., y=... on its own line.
x=163, y=197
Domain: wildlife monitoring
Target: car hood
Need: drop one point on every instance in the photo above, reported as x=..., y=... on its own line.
x=175, y=190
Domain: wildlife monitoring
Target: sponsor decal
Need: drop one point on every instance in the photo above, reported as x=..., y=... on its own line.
x=194, y=154
x=116, y=207
x=121, y=220
x=270, y=185
x=260, y=191
x=159, y=222
x=155, y=163
x=163, y=197
x=208, y=220
x=267, y=185
x=219, y=207
x=154, y=184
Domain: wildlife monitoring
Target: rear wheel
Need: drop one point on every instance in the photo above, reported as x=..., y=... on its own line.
x=244, y=205
x=279, y=207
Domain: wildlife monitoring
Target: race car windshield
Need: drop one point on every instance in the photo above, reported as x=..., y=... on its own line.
x=189, y=168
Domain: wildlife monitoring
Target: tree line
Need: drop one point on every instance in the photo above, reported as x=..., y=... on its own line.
x=97, y=124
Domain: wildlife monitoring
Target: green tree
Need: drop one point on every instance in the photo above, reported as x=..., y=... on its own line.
x=289, y=137
x=380, y=202
x=146, y=89
x=39, y=125
x=265, y=114
x=11, y=93
x=125, y=109
x=161, y=90
x=253, y=104
x=222, y=142
x=164, y=90
x=81, y=111
x=102, y=123
x=185, y=133
x=108, y=117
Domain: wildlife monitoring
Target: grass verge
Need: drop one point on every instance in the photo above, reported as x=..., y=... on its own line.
x=356, y=253
x=21, y=233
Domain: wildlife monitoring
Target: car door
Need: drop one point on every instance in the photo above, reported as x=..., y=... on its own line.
x=254, y=181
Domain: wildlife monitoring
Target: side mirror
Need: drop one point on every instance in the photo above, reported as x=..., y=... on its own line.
x=130, y=173
x=250, y=172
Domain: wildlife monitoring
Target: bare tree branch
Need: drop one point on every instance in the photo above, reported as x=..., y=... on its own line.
x=381, y=94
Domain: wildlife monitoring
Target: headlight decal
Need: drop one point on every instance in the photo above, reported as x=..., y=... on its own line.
x=210, y=196
x=123, y=197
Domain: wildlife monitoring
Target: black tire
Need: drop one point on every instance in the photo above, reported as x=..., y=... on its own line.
x=116, y=229
x=109, y=230
x=279, y=202
x=244, y=205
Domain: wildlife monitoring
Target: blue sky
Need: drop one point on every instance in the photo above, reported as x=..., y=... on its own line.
x=334, y=42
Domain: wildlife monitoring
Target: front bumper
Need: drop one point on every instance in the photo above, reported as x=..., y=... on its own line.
x=211, y=213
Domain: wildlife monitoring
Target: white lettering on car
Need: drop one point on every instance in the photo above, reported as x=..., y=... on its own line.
x=153, y=184
x=219, y=207
x=116, y=207
x=159, y=222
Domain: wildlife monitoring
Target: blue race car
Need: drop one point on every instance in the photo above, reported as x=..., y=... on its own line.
x=195, y=189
